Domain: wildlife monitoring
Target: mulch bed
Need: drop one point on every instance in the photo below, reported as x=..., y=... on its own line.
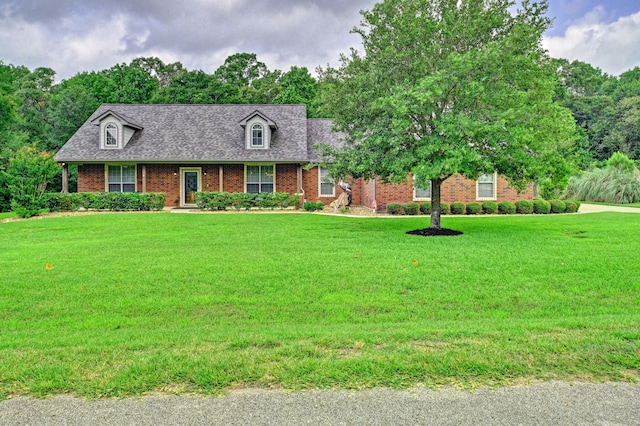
x=429, y=232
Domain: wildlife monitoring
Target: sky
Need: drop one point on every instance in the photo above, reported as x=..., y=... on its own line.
x=72, y=36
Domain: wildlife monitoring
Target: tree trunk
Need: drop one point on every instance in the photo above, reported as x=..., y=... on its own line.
x=436, y=208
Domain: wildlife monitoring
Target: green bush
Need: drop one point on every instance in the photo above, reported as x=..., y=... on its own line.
x=541, y=206
x=293, y=200
x=311, y=207
x=457, y=207
x=524, y=207
x=265, y=200
x=115, y=201
x=572, y=206
x=489, y=207
x=506, y=207
x=213, y=200
x=425, y=208
x=394, y=208
x=621, y=162
x=558, y=206
x=27, y=177
x=411, y=208
x=473, y=208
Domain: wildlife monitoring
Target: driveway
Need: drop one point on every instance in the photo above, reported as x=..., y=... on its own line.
x=552, y=403
x=598, y=208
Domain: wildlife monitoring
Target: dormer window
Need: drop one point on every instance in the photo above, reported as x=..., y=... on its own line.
x=257, y=136
x=111, y=135
x=258, y=131
x=116, y=130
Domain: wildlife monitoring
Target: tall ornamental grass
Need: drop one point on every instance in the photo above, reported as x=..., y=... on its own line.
x=618, y=182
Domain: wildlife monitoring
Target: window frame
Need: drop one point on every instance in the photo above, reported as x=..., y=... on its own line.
x=121, y=181
x=260, y=183
x=415, y=193
x=111, y=126
x=329, y=180
x=494, y=189
x=254, y=128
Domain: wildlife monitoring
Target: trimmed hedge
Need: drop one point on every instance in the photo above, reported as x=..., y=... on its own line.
x=411, y=208
x=425, y=208
x=473, y=208
x=489, y=207
x=524, y=207
x=241, y=200
x=506, y=207
x=115, y=201
x=558, y=206
x=457, y=207
x=572, y=206
x=394, y=208
x=541, y=206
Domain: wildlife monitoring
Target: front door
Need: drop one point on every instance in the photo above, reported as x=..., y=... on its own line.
x=190, y=185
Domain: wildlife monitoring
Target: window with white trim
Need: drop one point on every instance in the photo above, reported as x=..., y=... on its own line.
x=121, y=178
x=327, y=184
x=111, y=135
x=422, y=194
x=257, y=136
x=486, y=187
x=260, y=178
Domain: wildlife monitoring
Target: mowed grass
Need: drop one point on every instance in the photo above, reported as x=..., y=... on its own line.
x=203, y=303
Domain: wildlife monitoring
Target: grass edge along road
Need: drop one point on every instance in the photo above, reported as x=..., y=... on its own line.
x=124, y=304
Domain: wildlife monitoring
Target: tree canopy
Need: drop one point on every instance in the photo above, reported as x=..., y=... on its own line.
x=446, y=87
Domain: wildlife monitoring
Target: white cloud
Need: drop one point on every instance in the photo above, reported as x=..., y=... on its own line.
x=613, y=47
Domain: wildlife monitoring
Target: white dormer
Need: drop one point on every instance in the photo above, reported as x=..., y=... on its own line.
x=258, y=130
x=115, y=130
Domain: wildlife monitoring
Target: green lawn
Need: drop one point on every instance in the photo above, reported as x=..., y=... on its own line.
x=7, y=215
x=207, y=302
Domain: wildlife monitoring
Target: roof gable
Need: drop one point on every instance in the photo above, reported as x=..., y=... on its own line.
x=257, y=113
x=121, y=117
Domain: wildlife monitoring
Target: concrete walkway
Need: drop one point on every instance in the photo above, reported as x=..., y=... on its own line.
x=553, y=403
x=598, y=208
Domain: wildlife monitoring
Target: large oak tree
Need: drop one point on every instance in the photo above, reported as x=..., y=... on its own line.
x=446, y=87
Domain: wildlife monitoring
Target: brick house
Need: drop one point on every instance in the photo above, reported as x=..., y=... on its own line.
x=184, y=149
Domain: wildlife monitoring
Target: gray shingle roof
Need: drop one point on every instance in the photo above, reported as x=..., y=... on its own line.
x=200, y=133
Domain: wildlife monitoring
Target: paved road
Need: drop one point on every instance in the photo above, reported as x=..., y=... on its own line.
x=553, y=403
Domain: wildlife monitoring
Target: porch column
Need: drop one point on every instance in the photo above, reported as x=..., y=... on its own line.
x=65, y=178
x=144, y=178
x=220, y=178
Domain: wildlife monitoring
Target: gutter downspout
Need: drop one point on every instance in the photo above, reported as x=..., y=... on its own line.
x=374, y=203
x=300, y=184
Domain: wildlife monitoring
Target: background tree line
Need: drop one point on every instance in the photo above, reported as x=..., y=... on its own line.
x=39, y=113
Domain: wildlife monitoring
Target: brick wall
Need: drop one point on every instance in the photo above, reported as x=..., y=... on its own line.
x=456, y=188
x=233, y=177
x=166, y=178
x=91, y=178
x=287, y=178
